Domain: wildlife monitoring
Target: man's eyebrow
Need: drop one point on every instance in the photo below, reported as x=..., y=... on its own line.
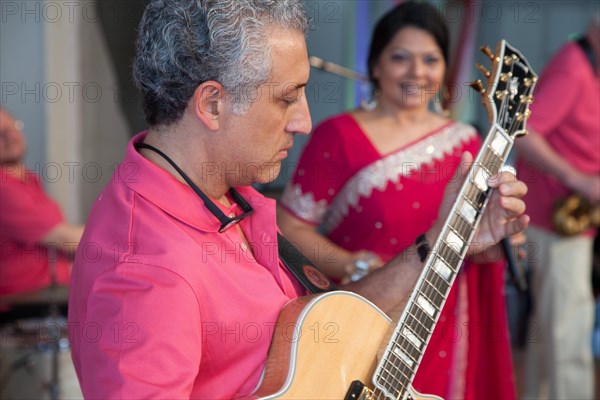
x=296, y=86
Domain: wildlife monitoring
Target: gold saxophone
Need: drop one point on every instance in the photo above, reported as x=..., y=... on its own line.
x=575, y=215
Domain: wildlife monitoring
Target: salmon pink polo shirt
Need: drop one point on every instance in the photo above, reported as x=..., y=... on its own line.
x=162, y=305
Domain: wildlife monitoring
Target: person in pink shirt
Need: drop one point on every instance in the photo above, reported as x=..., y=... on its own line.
x=33, y=231
x=177, y=283
x=561, y=156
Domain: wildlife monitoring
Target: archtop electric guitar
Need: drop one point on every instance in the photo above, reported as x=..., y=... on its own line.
x=325, y=346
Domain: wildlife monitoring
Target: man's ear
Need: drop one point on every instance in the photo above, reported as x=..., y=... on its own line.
x=208, y=102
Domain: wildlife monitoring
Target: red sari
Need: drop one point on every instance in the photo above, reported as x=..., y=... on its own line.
x=363, y=200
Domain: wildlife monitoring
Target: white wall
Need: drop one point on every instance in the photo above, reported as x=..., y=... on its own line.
x=57, y=76
x=22, y=70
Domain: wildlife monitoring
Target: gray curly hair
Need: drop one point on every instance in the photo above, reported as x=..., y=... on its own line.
x=182, y=43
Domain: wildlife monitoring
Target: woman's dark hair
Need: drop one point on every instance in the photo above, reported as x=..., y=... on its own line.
x=419, y=15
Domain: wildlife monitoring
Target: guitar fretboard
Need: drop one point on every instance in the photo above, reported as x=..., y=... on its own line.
x=404, y=352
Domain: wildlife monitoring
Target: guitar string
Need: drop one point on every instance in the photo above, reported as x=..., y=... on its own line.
x=523, y=107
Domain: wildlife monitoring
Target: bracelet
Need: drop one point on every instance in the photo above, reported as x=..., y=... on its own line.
x=361, y=269
x=422, y=247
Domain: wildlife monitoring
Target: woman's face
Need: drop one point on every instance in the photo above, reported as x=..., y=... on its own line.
x=410, y=70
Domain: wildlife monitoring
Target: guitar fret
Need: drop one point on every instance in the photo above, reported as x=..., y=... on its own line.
x=400, y=365
x=475, y=196
x=431, y=292
x=405, y=379
x=491, y=160
x=448, y=254
x=425, y=320
x=394, y=374
x=440, y=283
x=423, y=332
x=386, y=383
x=461, y=226
x=394, y=384
x=433, y=280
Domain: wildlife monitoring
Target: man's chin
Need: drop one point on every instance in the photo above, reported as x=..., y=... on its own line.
x=268, y=173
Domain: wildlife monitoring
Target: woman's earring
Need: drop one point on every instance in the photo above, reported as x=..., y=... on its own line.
x=438, y=102
x=370, y=105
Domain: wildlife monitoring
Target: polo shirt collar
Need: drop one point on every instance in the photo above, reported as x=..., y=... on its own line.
x=174, y=197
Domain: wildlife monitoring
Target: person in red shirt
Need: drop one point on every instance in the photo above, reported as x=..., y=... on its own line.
x=35, y=239
x=559, y=157
x=182, y=298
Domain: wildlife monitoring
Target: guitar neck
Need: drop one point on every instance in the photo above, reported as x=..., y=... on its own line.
x=399, y=364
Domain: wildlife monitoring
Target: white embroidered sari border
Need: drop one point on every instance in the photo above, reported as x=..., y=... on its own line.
x=392, y=167
x=376, y=175
x=303, y=205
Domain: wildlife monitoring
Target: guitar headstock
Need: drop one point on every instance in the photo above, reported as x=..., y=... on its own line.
x=508, y=91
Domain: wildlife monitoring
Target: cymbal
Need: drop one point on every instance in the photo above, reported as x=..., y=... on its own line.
x=58, y=294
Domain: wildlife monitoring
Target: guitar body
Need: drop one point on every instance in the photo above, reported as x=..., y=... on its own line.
x=322, y=343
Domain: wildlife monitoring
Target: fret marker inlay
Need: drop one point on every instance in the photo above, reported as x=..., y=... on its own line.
x=442, y=269
x=499, y=144
x=412, y=337
x=403, y=357
x=468, y=211
x=455, y=242
x=481, y=178
x=426, y=305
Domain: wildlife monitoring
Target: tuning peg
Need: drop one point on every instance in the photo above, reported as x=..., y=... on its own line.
x=508, y=60
x=483, y=70
x=504, y=77
x=527, y=114
x=488, y=52
x=501, y=94
x=478, y=86
x=526, y=99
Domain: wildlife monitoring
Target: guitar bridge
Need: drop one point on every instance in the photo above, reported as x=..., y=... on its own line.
x=358, y=391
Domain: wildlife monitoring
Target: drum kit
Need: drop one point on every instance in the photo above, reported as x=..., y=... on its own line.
x=35, y=361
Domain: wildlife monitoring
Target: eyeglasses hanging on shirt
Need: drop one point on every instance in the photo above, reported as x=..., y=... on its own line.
x=226, y=221
x=301, y=267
